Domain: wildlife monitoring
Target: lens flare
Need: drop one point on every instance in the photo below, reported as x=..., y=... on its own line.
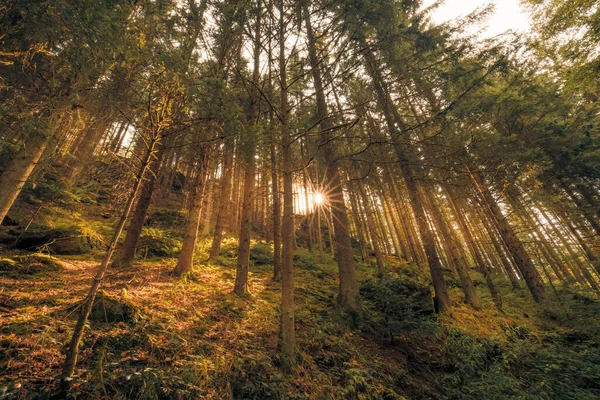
x=318, y=198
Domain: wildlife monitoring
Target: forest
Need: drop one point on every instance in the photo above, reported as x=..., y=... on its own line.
x=292, y=199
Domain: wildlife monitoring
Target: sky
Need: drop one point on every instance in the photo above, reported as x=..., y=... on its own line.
x=508, y=15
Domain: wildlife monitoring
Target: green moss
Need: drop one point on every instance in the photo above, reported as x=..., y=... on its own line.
x=6, y=264
x=64, y=240
x=110, y=308
x=31, y=264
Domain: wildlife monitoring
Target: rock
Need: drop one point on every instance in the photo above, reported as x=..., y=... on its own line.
x=6, y=264
x=70, y=241
x=110, y=308
x=8, y=221
x=31, y=264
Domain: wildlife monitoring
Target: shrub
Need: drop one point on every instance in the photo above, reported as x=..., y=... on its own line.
x=229, y=247
x=261, y=254
x=256, y=378
x=402, y=301
x=165, y=217
x=304, y=259
x=50, y=188
x=157, y=243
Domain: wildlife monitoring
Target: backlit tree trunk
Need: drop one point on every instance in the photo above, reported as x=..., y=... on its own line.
x=249, y=142
x=186, y=257
x=348, y=294
x=384, y=100
x=127, y=250
x=19, y=168
x=514, y=245
x=288, y=330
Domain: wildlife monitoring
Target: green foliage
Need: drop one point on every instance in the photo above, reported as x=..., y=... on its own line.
x=261, y=254
x=503, y=359
x=401, y=301
x=150, y=384
x=158, y=243
x=48, y=189
x=252, y=379
x=329, y=345
x=229, y=247
x=306, y=260
x=166, y=218
x=468, y=356
x=361, y=384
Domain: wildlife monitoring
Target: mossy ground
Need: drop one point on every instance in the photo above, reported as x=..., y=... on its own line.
x=196, y=339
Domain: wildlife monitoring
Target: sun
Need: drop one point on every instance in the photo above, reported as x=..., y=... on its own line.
x=318, y=198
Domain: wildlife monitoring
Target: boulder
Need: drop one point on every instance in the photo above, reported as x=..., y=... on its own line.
x=31, y=264
x=70, y=241
x=8, y=221
x=110, y=308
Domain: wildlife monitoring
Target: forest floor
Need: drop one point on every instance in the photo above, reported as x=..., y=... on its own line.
x=156, y=337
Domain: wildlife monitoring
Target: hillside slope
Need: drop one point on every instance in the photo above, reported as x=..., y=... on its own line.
x=193, y=338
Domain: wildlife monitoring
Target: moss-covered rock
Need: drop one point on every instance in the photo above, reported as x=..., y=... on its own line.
x=31, y=264
x=63, y=241
x=111, y=308
x=6, y=264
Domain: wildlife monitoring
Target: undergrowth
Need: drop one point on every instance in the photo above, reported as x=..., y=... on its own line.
x=193, y=338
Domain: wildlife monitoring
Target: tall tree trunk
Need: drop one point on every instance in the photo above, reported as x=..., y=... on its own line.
x=84, y=153
x=592, y=220
x=514, y=245
x=225, y=205
x=73, y=349
x=358, y=216
x=348, y=296
x=557, y=264
x=459, y=213
x=276, y=216
x=456, y=255
x=288, y=332
x=371, y=225
x=512, y=275
x=126, y=252
x=186, y=257
x=19, y=168
x=442, y=299
x=209, y=207
x=243, y=257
